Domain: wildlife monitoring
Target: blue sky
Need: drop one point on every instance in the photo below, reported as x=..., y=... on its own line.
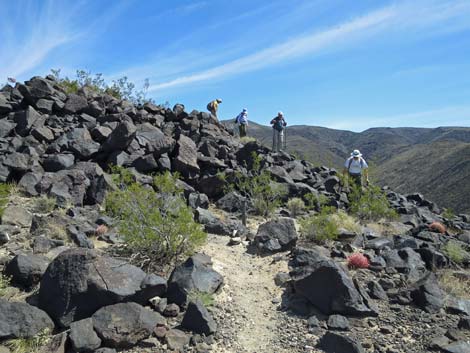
x=340, y=64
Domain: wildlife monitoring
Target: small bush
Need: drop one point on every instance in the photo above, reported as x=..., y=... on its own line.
x=437, y=227
x=454, y=284
x=31, y=344
x=295, y=206
x=320, y=227
x=455, y=251
x=258, y=186
x=246, y=139
x=158, y=225
x=448, y=213
x=44, y=204
x=345, y=221
x=370, y=204
x=4, y=284
x=120, y=88
x=4, y=195
x=358, y=260
x=207, y=299
x=313, y=201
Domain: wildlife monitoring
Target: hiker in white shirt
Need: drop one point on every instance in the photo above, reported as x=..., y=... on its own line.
x=355, y=166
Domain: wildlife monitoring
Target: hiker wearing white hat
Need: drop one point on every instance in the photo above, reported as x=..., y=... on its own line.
x=279, y=124
x=355, y=166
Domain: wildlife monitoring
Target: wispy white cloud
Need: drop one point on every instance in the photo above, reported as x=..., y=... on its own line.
x=38, y=28
x=291, y=49
x=404, y=17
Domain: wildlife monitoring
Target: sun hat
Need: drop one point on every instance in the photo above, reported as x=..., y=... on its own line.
x=219, y=100
x=244, y=110
x=280, y=113
x=356, y=153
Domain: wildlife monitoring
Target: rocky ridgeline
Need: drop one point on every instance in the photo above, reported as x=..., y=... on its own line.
x=61, y=145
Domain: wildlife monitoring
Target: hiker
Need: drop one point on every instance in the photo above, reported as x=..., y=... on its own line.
x=278, y=124
x=354, y=166
x=213, y=106
x=242, y=121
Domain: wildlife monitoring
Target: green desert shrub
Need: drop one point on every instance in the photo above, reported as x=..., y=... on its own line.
x=206, y=299
x=455, y=251
x=4, y=195
x=319, y=227
x=265, y=194
x=370, y=204
x=4, y=284
x=346, y=221
x=296, y=206
x=30, y=344
x=44, y=204
x=120, y=88
x=448, y=213
x=313, y=201
x=246, y=139
x=155, y=222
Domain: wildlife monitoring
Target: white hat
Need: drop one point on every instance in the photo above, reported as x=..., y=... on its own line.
x=280, y=113
x=356, y=153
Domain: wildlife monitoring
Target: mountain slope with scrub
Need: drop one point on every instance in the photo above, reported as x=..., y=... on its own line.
x=396, y=156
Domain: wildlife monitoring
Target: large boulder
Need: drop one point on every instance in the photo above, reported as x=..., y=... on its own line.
x=326, y=285
x=66, y=186
x=26, y=270
x=406, y=261
x=427, y=294
x=198, y=319
x=120, y=138
x=196, y=274
x=17, y=216
x=83, y=337
x=79, y=281
x=154, y=140
x=276, y=235
x=335, y=343
x=185, y=161
x=19, y=320
x=123, y=325
x=75, y=104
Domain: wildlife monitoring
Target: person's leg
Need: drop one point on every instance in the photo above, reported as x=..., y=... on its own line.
x=274, y=140
x=242, y=130
x=281, y=140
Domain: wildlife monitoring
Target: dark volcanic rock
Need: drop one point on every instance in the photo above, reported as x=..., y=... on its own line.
x=334, y=343
x=26, y=270
x=326, y=285
x=120, y=138
x=198, y=319
x=123, y=325
x=83, y=337
x=277, y=235
x=79, y=281
x=20, y=320
x=195, y=274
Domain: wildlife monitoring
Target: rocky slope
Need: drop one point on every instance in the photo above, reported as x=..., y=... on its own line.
x=273, y=290
x=439, y=175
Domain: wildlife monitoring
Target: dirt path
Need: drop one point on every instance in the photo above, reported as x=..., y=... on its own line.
x=250, y=319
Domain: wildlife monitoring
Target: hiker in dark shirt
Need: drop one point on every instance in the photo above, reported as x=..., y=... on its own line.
x=279, y=125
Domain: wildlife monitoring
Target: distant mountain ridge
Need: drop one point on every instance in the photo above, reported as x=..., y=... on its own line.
x=433, y=161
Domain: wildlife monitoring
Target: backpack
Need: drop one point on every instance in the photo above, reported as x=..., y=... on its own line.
x=351, y=160
x=278, y=125
x=210, y=106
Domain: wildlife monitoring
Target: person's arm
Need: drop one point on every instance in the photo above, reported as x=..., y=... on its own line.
x=273, y=121
x=366, y=174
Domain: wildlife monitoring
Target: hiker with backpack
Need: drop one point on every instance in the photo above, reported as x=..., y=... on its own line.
x=279, y=124
x=242, y=121
x=354, y=167
x=213, y=106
